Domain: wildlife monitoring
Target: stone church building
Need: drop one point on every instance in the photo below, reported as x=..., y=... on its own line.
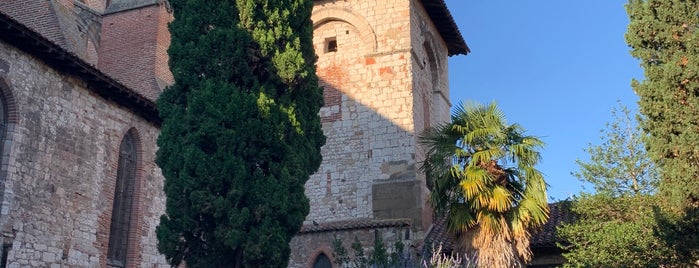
x=78, y=127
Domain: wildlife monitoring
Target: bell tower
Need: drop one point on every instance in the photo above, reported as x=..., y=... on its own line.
x=383, y=67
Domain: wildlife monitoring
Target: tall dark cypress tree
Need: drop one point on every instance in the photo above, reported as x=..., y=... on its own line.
x=664, y=35
x=241, y=133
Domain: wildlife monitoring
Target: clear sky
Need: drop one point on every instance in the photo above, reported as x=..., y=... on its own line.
x=556, y=67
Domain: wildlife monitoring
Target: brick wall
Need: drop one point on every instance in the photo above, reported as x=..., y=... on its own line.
x=133, y=48
x=60, y=172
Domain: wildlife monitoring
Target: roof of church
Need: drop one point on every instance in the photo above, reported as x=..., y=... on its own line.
x=545, y=237
x=440, y=15
x=354, y=225
x=56, y=56
x=38, y=16
x=123, y=5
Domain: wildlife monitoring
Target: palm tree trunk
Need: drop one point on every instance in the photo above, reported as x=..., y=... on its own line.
x=495, y=250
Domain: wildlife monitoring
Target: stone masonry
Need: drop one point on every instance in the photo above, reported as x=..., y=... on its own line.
x=65, y=121
x=59, y=166
x=88, y=71
x=383, y=66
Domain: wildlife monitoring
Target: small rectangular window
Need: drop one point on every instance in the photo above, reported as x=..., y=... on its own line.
x=330, y=44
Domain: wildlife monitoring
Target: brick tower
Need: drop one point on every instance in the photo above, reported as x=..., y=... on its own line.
x=383, y=66
x=134, y=42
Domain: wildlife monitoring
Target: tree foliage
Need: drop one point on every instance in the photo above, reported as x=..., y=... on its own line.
x=616, y=225
x=483, y=179
x=664, y=36
x=620, y=164
x=240, y=133
x=614, y=231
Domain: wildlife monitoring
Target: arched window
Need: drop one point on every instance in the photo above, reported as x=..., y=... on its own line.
x=123, y=203
x=322, y=261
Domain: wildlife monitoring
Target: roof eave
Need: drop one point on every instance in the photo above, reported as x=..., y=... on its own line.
x=25, y=39
x=442, y=18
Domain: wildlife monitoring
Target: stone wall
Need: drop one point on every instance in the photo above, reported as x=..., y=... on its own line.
x=367, y=117
x=313, y=243
x=383, y=67
x=59, y=167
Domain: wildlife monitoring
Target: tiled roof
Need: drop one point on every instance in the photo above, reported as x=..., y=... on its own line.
x=24, y=38
x=39, y=16
x=559, y=213
x=440, y=15
x=545, y=237
x=354, y=225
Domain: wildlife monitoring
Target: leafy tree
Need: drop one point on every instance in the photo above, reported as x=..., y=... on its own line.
x=484, y=180
x=664, y=36
x=614, y=231
x=240, y=133
x=615, y=226
x=620, y=164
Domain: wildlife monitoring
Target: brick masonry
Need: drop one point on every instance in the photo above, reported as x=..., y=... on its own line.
x=133, y=48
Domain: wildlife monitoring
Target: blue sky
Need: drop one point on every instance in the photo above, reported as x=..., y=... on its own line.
x=555, y=67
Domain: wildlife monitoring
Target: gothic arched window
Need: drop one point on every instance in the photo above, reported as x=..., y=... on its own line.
x=322, y=261
x=123, y=203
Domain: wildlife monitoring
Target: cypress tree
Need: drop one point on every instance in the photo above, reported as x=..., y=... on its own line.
x=241, y=133
x=663, y=35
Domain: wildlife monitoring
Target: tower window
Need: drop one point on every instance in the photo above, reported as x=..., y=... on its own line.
x=330, y=44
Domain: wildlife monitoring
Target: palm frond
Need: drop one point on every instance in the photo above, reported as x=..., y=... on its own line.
x=460, y=219
x=483, y=176
x=475, y=181
x=486, y=155
x=500, y=200
x=489, y=222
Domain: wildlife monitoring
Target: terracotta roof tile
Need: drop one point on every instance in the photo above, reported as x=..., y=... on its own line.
x=559, y=213
x=354, y=225
x=36, y=15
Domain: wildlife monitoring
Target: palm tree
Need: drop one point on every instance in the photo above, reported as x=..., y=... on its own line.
x=482, y=175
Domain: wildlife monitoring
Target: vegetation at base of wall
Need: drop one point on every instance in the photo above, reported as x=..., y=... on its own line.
x=483, y=178
x=241, y=132
x=663, y=35
x=379, y=257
